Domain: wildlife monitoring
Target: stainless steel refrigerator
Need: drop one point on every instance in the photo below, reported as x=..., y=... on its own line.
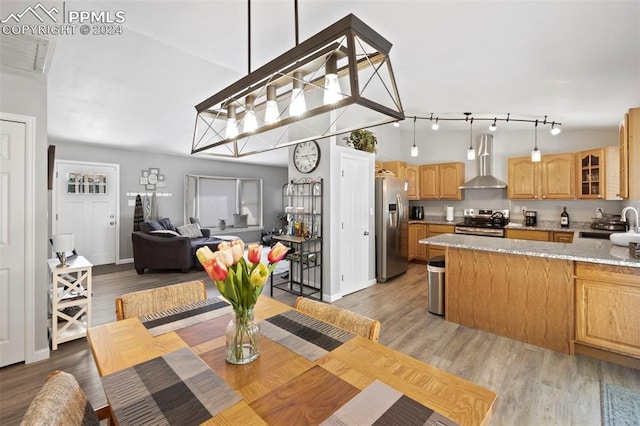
x=392, y=215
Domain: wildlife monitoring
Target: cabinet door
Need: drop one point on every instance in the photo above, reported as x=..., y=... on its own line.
x=607, y=315
x=563, y=237
x=633, y=153
x=558, y=176
x=399, y=168
x=421, y=233
x=413, y=241
x=429, y=182
x=451, y=177
x=591, y=173
x=523, y=179
x=412, y=176
x=624, y=157
x=523, y=234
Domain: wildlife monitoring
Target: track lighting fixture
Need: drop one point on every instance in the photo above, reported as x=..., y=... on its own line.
x=435, y=126
x=493, y=125
x=555, y=130
x=536, y=155
x=471, y=153
x=414, y=148
x=555, y=126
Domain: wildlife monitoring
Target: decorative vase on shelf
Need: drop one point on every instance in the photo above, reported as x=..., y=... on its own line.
x=242, y=338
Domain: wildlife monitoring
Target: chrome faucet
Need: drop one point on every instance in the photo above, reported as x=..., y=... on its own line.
x=624, y=217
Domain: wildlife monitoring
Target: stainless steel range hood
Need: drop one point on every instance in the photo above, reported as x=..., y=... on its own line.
x=484, y=155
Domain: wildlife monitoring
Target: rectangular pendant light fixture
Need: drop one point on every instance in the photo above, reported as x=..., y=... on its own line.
x=337, y=81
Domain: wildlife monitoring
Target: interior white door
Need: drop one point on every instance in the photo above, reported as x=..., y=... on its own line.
x=12, y=242
x=86, y=206
x=355, y=181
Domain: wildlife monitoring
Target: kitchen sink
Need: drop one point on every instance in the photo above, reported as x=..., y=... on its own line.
x=624, y=238
x=592, y=234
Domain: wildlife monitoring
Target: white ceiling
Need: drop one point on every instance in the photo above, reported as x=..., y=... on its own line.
x=576, y=61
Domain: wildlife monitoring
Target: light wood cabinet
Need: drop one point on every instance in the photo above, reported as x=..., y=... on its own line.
x=432, y=231
x=441, y=181
x=552, y=178
x=417, y=251
x=607, y=300
x=413, y=192
x=598, y=173
x=399, y=168
x=629, y=154
x=525, y=234
x=562, y=237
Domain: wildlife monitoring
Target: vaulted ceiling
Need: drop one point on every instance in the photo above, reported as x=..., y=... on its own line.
x=576, y=61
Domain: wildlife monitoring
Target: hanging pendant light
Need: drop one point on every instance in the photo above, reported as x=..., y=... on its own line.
x=272, y=113
x=250, y=121
x=414, y=148
x=536, y=155
x=471, y=153
x=331, y=84
x=232, y=123
x=298, y=105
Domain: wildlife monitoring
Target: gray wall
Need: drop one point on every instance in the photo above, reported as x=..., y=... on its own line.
x=25, y=93
x=132, y=163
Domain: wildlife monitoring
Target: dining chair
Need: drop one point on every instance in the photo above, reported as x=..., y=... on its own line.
x=144, y=302
x=347, y=320
x=62, y=402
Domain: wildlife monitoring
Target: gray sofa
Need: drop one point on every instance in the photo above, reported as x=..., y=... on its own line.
x=165, y=248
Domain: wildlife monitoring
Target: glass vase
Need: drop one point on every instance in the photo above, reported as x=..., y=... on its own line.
x=242, y=338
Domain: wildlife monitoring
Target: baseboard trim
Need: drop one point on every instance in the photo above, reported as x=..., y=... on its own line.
x=123, y=261
x=614, y=357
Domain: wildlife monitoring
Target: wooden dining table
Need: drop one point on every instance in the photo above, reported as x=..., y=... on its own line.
x=357, y=379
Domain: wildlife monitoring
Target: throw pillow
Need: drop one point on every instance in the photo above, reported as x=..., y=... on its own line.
x=165, y=233
x=151, y=225
x=166, y=224
x=239, y=220
x=191, y=230
x=194, y=220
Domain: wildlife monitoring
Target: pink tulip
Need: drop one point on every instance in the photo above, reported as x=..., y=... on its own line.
x=224, y=245
x=204, y=254
x=254, y=253
x=277, y=252
x=216, y=269
x=259, y=275
x=237, y=250
x=225, y=256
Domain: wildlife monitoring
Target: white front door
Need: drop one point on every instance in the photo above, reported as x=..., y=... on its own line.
x=12, y=242
x=355, y=181
x=85, y=204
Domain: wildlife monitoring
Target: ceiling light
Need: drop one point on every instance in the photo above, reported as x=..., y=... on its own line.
x=414, y=148
x=493, y=126
x=536, y=155
x=435, y=125
x=232, y=123
x=555, y=130
x=471, y=153
x=271, y=113
x=250, y=121
x=331, y=83
x=298, y=105
x=396, y=124
x=367, y=95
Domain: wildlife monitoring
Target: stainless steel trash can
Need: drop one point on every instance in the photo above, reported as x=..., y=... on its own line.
x=435, y=272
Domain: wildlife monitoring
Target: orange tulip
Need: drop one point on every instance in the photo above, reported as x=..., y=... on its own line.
x=254, y=253
x=216, y=269
x=277, y=252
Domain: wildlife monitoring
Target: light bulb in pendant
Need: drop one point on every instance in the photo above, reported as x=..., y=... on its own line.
x=414, y=151
x=536, y=155
x=271, y=113
x=471, y=153
x=250, y=121
x=331, y=84
x=298, y=105
x=232, y=123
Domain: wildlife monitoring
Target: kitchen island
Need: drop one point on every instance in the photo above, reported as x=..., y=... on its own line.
x=579, y=297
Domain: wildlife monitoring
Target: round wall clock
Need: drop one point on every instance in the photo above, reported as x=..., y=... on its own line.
x=306, y=156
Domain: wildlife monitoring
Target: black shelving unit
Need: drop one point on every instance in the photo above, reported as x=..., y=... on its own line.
x=302, y=204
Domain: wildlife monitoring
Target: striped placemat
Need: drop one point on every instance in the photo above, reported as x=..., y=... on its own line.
x=383, y=405
x=184, y=316
x=176, y=388
x=307, y=336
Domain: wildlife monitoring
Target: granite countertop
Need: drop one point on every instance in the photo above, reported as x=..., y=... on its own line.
x=582, y=249
x=551, y=225
x=437, y=220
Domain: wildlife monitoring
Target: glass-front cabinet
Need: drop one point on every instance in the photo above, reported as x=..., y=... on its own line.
x=591, y=184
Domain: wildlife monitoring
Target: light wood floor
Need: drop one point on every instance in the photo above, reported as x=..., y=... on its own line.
x=534, y=386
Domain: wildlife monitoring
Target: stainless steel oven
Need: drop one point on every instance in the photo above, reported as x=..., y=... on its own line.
x=483, y=222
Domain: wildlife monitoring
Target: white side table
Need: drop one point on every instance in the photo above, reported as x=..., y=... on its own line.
x=70, y=288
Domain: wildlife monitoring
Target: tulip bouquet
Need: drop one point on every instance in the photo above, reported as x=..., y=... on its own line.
x=240, y=281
